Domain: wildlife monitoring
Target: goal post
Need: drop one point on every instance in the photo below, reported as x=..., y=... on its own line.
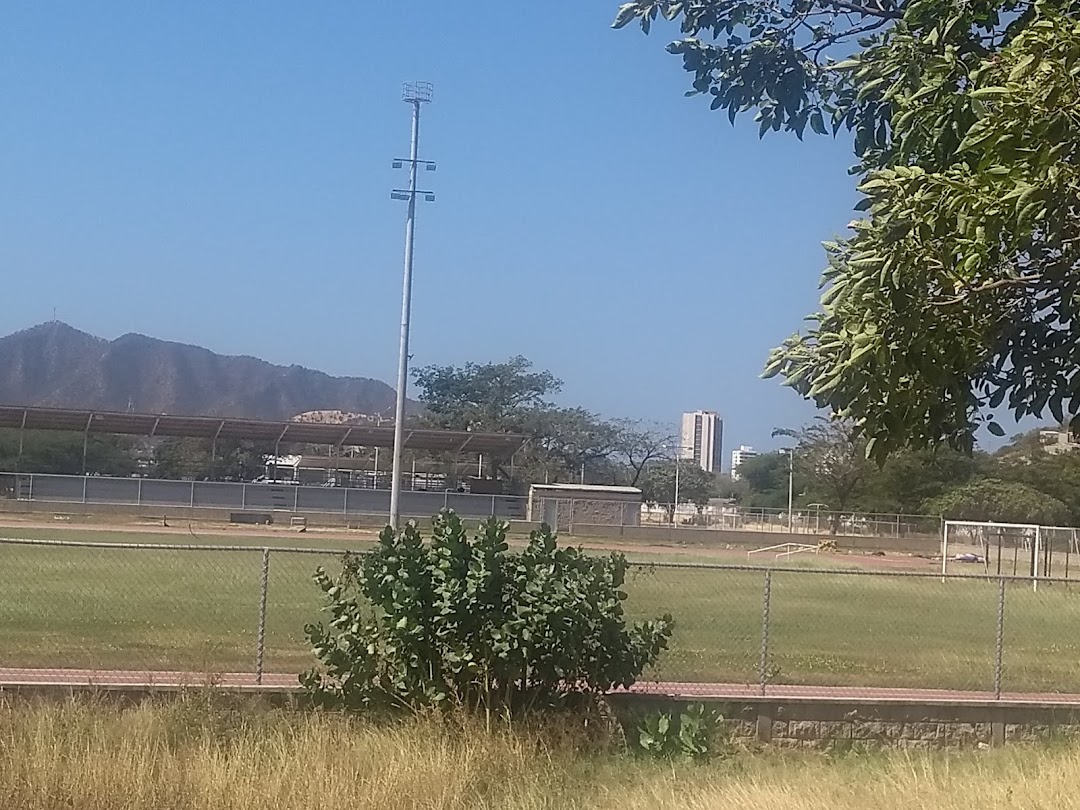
x=1011, y=549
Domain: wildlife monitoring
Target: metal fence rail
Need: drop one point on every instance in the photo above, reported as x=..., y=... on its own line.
x=67, y=491
x=195, y=495
x=206, y=610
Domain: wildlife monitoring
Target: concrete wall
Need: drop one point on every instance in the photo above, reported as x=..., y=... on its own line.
x=840, y=724
x=564, y=514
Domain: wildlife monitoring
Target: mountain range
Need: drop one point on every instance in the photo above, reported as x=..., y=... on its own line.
x=56, y=365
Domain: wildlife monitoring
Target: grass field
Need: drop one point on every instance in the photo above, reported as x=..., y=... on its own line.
x=198, y=611
x=190, y=756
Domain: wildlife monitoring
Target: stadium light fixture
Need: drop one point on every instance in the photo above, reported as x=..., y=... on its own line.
x=415, y=94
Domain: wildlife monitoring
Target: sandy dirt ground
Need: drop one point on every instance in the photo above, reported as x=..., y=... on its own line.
x=175, y=530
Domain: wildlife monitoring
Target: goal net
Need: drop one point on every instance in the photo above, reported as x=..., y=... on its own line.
x=1010, y=549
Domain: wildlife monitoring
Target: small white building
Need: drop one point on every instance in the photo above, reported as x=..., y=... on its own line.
x=563, y=506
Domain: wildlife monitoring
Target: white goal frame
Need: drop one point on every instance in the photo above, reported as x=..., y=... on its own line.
x=1034, y=529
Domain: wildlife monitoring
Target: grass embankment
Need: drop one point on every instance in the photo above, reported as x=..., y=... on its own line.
x=198, y=611
x=188, y=755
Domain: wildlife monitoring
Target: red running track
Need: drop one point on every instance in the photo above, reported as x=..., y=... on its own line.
x=151, y=679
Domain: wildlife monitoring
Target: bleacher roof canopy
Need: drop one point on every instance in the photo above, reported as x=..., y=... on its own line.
x=214, y=427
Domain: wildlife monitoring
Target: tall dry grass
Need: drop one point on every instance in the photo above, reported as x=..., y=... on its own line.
x=188, y=755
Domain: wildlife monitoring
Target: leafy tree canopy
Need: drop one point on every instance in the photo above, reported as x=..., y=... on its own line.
x=564, y=444
x=766, y=479
x=61, y=453
x=830, y=459
x=1002, y=501
x=695, y=485
x=957, y=292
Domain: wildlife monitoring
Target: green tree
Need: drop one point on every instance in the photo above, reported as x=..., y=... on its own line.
x=637, y=444
x=493, y=397
x=766, y=479
x=956, y=292
x=831, y=465
x=909, y=478
x=695, y=485
x=1054, y=474
x=512, y=397
x=1000, y=501
x=199, y=459
x=61, y=453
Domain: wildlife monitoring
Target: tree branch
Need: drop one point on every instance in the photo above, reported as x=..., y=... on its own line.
x=832, y=38
x=867, y=11
x=990, y=285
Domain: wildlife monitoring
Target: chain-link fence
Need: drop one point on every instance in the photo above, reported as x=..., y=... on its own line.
x=583, y=514
x=237, y=613
x=66, y=491
x=815, y=520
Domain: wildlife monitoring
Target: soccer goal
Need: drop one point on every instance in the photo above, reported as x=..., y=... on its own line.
x=1010, y=549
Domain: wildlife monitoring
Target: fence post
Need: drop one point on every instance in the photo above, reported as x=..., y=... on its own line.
x=138, y=497
x=493, y=506
x=31, y=495
x=999, y=642
x=763, y=664
x=193, y=498
x=260, y=643
x=84, y=488
x=570, y=519
x=243, y=496
x=345, y=508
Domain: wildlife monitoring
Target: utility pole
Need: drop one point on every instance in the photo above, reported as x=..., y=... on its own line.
x=790, y=489
x=675, y=513
x=416, y=94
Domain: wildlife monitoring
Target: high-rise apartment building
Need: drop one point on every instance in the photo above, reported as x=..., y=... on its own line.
x=703, y=439
x=738, y=457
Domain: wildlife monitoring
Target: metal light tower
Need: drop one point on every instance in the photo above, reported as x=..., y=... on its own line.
x=416, y=94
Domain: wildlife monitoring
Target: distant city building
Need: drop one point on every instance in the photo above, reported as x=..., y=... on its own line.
x=738, y=457
x=703, y=439
x=1060, y=439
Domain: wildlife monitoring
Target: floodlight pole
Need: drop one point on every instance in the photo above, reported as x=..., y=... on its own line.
x=414, y=93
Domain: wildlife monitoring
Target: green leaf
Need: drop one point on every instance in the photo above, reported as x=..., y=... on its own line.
x=995, y=428
x=989, y=92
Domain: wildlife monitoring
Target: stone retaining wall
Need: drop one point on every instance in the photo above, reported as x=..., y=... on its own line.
x=839, y=724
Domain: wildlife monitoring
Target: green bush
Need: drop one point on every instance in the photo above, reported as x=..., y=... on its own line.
x=463, y=622
x=691, y=734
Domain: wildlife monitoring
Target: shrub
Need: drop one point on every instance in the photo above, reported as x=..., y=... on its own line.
x=463, y=622
x=692, y=734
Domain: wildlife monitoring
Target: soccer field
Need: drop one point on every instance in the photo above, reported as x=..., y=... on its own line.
x=198, y=611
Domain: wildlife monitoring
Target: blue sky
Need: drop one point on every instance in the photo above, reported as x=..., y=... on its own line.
x=218, y=173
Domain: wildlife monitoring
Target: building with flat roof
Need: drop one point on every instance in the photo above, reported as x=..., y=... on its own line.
x=738, y=457
x=702, y=439
x=562, y=506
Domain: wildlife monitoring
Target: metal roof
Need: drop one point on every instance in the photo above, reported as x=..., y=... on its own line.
x=586, y=488
x=215, y=427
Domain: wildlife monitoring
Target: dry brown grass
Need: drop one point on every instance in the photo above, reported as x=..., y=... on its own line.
x=187, y=755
